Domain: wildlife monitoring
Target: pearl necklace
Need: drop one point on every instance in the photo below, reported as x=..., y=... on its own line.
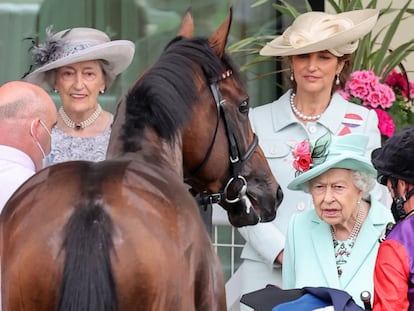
x=81, y=125
x=355, y=229
x=300, y=114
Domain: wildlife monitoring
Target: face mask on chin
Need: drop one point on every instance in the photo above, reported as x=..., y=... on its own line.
x=397, y=206
x=397, y=209
x=44, y=155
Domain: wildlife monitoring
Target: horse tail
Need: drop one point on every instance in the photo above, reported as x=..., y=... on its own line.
x=88, y=282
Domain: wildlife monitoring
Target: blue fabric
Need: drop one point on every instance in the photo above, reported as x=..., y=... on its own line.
x=273, y=298
x=341, y=300
x=307, y=302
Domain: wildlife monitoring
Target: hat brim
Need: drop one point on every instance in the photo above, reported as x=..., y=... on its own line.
x=118, y=54
x=364, y=21
x=356, y=163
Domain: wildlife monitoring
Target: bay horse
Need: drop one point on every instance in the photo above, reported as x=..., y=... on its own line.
x=125, y=233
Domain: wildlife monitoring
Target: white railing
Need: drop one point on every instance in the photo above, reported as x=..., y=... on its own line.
x=228, y=244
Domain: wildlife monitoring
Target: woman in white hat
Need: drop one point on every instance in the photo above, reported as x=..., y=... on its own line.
x=335, y=244
x=318, y=46
x=80, y=64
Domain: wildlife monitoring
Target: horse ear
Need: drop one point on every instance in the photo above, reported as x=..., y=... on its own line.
x=218, y=39
x=187, y=25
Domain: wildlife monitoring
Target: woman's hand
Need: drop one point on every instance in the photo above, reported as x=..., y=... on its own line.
x=279, y=257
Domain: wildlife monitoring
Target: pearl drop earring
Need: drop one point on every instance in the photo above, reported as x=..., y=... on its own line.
x=102, y=91
x=337, y=82
x=292, y=77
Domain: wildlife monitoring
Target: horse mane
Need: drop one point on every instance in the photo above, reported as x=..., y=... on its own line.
x=162, y=98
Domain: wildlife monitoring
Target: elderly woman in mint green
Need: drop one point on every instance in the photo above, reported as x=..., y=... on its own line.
x=335, y=244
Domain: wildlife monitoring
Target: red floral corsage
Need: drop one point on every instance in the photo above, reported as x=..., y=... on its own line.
x=305, y=156
x=302, y=159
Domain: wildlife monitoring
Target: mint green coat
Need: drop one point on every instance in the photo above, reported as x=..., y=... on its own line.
x=309, y=258
x=278, y=129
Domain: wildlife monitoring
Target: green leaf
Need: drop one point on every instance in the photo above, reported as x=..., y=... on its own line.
x=320, y=149
x=258, y=3
x=397, y=56
x=308, y=6
x=378, y=61
x=335, y=6
x=286, y=9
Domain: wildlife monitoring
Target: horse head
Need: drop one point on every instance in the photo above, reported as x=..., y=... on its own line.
x=193, y=97
x=227, y=166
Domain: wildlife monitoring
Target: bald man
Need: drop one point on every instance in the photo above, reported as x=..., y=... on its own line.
x=27, y=114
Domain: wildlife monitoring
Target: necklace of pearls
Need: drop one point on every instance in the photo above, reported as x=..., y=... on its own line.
x=300, y=114
x=81, y=125
x=357, y=226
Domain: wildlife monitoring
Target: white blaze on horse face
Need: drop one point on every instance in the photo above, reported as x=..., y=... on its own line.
x=246, y=201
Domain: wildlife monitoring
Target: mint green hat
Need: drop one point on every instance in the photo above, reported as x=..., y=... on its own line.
x=346, y=151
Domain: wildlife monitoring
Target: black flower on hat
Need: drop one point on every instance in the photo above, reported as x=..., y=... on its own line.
x=47, y=51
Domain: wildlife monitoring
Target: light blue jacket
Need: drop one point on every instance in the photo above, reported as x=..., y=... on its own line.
x=309, y=258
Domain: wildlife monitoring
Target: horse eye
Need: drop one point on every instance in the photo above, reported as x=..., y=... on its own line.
x=244, y=107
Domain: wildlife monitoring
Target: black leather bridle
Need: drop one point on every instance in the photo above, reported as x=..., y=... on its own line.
x=237, y=160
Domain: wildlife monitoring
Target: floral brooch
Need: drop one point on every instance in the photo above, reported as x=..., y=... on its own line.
x=306, y=156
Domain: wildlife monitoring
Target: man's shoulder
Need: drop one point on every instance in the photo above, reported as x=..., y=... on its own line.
x=403, y=231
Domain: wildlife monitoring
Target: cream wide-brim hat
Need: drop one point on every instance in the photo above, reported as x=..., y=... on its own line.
x=77, y=45
x=320, y=31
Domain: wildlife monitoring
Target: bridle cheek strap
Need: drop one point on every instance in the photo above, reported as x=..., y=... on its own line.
x=237, y=160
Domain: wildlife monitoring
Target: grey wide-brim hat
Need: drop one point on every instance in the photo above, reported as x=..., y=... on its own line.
x=320, y=31
x=75, y=45
x=347, y=152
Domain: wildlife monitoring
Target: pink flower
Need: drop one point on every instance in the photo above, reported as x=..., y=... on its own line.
x=301, y=148
x=411, y=90
x=365, y=88
x=397, y=81
x=381, y=96
x=302, y=159
x=387, y=96
x=373, y=99
x=386, y=124
x=358, y=89
x=365, y=76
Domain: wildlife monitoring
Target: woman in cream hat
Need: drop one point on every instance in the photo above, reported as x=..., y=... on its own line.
x=318, y=47
x=80, y=64
x=335, y=244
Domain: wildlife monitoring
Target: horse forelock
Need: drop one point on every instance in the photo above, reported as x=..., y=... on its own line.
x=162, y=98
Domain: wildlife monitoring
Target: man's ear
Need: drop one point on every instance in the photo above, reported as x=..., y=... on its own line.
x=403, y=187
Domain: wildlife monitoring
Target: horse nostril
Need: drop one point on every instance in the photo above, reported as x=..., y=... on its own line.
x=279, y=196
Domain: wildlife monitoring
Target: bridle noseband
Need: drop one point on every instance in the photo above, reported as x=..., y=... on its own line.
x=237, y=160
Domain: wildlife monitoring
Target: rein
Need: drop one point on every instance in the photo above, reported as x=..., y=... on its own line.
x=237, y=160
